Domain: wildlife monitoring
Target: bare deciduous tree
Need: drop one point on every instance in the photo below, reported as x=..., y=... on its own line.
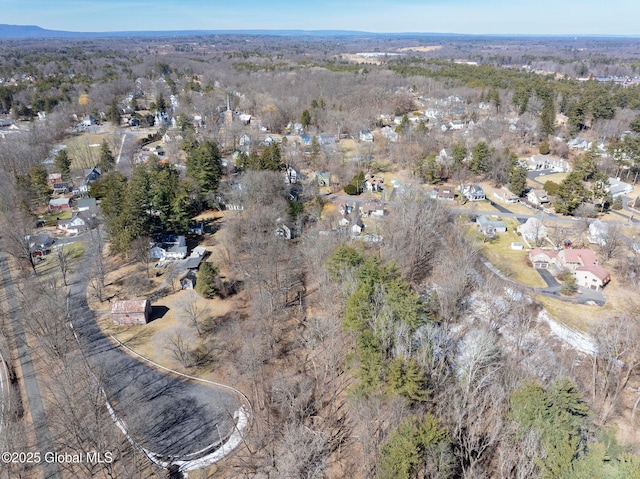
x=193, y=310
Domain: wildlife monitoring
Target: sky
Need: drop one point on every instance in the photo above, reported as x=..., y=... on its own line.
x=566, y=17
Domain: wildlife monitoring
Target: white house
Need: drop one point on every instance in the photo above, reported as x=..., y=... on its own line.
x=598, y=232
x=472, y=192
x=291, y=175
x=537, y=197
x=366, y=135
x=76, y=225
x=532, y=230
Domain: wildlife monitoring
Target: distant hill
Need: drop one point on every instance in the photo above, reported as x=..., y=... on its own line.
x=33, y=31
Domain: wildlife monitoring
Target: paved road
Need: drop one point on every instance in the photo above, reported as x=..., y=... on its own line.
x=168, y=415
x=44, y=442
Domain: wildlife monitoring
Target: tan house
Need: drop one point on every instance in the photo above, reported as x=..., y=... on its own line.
x=582, y=263
x=593, y=276
x=136, y=311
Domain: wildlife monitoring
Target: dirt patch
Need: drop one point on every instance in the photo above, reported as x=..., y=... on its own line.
x=421, y=49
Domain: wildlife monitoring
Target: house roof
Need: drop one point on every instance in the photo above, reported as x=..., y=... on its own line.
x=193, y=262
x=130, y=306
x=542, y=252
x=59, y=201
x=598, y=271
x=583, y=256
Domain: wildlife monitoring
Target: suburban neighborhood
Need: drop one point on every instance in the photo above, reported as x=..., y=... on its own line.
x=309, y=256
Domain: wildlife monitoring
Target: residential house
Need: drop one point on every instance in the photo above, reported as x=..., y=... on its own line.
x=572, y=259
x=543, y=259
x=169, y=247
x=306, y=139
x=373, y=184
x=445, y=155
x=90, y=175
x=40, y=245
x=507, y=196
x=291, y=175
x=582, y=263
x=126, y=313
x=244, y=140
x=327, y=139
x=61, y=188
x=88, y=121
x=366, y=135
x=473, y=192
x=598, y=232
x=537, y=197
x=532, y=230
x=87, y=204
x=390, y=134
x=593, y=277
x=343, y=206
x=59, y=204
x=53, y=178
x=490, y=227
x=372, y=208
x=79, y=223
x=579, y=144
x=446, y=193
x=545, y=162
x=357, y=227
x=456, y=125
x=323, y=178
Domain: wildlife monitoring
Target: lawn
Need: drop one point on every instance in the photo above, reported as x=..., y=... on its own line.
x=51, y=264
x=514, y=264
x=579, y=317
x=84, y=149
x=555, y=177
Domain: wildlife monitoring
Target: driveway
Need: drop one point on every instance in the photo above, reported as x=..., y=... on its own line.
x=170, y=416
x=548, y=278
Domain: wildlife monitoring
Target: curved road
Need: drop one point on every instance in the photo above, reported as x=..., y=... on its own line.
x=174, y=418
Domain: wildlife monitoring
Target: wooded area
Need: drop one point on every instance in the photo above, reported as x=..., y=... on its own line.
x=397, y=354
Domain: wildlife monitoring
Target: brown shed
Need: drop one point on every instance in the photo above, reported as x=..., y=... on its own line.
x=136, y=311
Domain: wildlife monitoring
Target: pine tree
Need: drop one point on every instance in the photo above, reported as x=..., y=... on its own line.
x=518, y=179
x=207, y=280
x=107, y=162
x=62, y=163
x=204, y=166
x=480, y=158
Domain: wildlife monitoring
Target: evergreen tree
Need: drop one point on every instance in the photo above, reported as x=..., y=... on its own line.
x=62, y=163
x=107, y=161
x=113, y=113
x=161, y=103
x=305, y=118
x=571, y=193
x=38, y=180
x=207, y=280
x=480, y=158
x=548, y=117
x=518, y=179
x=407, y=378
x=204, y=166
x=417, y=442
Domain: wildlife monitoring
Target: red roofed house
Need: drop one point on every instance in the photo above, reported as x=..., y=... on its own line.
x=574, y=258
x=542, y=259
x=135, y=311
x=593, y=277
x=581, y=262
